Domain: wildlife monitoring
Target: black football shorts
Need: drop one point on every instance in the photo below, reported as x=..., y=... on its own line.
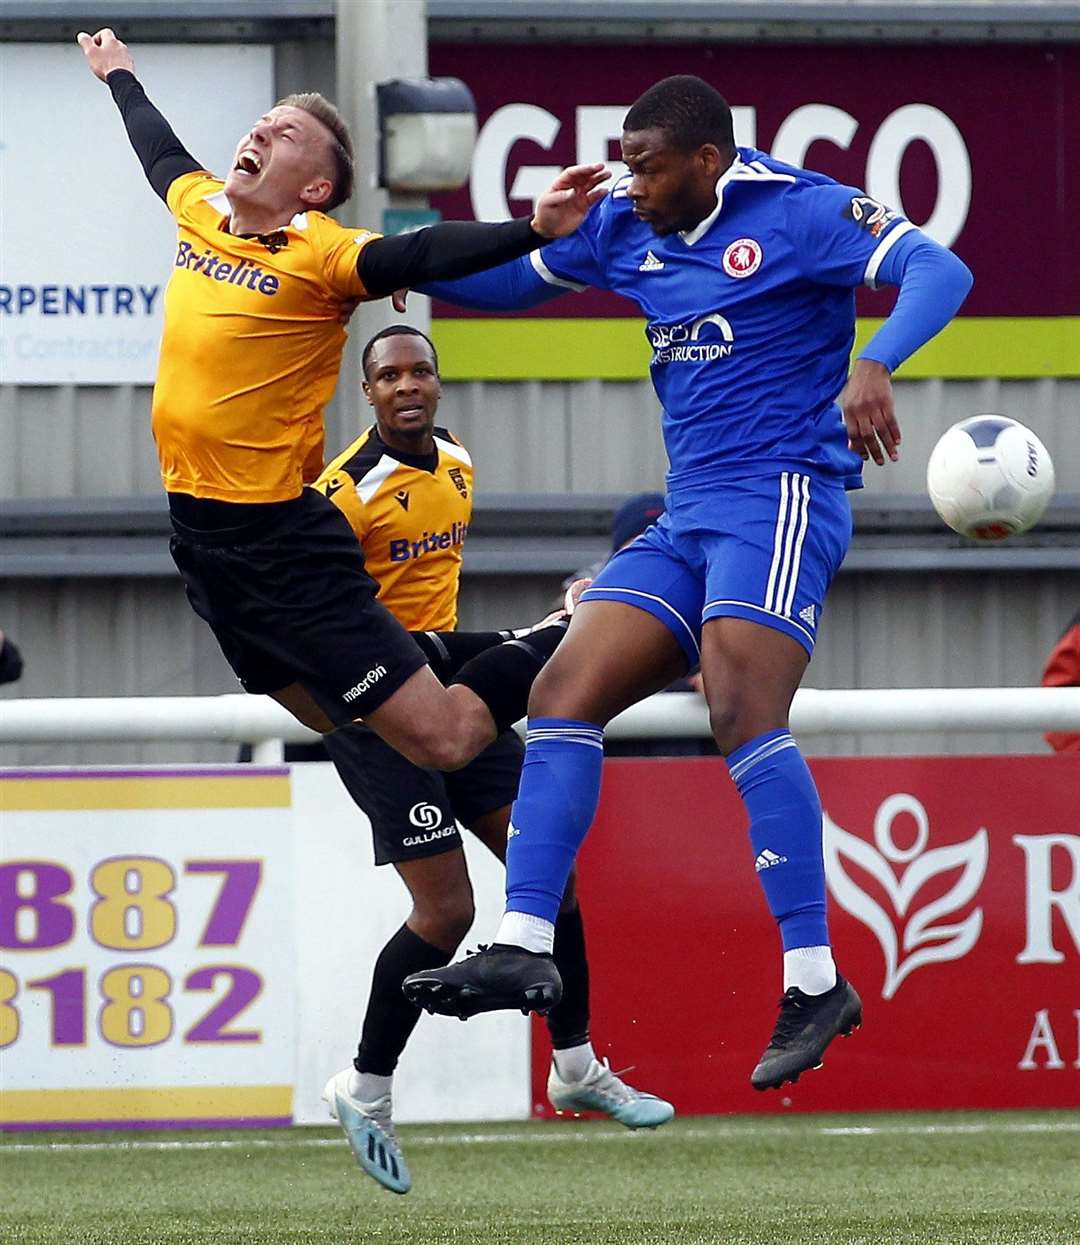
x=294, y=604
x=413, y=811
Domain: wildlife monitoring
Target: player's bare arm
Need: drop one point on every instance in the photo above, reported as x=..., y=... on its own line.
x=867, y=403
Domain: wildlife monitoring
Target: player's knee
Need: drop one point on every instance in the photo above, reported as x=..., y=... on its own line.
x=558, y=693
x=445, y=918
x=735, y=721
x=434, y=744
x=446, y=752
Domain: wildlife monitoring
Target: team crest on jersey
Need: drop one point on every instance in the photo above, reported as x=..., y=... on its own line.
x=459, y=480
x=274, y=242
x=870, y=215
x=742, y=258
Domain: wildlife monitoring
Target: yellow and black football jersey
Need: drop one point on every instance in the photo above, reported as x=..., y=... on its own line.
x=411, y=514
x=251, y=348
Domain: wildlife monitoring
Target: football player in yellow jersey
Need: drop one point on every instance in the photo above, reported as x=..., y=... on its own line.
x=262, y=281
x=406, y=487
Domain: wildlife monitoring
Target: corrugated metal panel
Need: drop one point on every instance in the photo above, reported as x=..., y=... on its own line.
x=110, y=638
x=593, y=436
x=101, y=637
x=939, y=631
x=529, y=436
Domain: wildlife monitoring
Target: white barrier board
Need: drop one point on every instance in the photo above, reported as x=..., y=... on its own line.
x=347, y=910
x=196, y=945
x=147, y=937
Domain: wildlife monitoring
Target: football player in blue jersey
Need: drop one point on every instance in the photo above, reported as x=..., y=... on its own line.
x=745, y=269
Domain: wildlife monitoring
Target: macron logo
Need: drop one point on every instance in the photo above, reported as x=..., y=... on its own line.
x=651, y=264
x=368, y=681
x=768, y=860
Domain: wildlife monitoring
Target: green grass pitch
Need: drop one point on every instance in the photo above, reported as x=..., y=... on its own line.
x=956, y=1179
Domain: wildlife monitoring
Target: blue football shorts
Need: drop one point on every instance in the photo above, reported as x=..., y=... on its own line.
x=765, y=549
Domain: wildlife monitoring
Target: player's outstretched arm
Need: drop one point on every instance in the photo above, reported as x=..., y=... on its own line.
x=458, y=248
x=933, y=283
x=161, y=154
x=509, y=287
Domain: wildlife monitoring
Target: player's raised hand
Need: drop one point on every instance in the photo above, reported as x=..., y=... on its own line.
x=562, y=207
x=104, y=52
x=867, y=403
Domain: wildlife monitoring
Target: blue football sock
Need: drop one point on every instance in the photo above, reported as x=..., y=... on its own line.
x=785, y=831
x=560, y=788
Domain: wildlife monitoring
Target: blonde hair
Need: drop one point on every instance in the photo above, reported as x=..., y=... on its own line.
x=341, y=146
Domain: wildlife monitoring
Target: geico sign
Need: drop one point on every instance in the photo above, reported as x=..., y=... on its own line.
x=597, y=127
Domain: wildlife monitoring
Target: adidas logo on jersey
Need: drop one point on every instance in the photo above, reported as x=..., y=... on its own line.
x=807, y=615
x=768, y=860
x=651, y=264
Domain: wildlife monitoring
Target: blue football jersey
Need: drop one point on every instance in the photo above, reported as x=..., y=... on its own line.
x=750, y=315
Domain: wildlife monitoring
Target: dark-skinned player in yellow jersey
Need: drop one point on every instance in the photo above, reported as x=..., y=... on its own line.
x=406, y=487
x=250, y=353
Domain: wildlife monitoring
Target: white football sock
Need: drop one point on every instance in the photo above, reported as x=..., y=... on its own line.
x=573, y=1063
x=810, y=968
x=522, y=929
x=368, y=1086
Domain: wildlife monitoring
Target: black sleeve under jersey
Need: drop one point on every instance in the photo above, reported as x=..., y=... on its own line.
x=442, y=252
x=163, y=156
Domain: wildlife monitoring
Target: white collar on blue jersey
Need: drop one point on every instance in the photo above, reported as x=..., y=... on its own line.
x=690, y=236
x=737, y=171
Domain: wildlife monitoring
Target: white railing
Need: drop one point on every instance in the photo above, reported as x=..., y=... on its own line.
x=264, y=724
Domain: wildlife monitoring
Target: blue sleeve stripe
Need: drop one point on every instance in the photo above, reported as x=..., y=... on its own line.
x=545, y=272
x=873, y=264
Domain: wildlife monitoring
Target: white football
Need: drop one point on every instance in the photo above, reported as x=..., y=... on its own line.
x=990, y=477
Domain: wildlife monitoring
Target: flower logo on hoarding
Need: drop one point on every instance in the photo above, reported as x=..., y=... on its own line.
x=908, y=936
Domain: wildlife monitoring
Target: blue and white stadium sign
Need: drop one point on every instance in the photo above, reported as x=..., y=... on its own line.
x=85, y=245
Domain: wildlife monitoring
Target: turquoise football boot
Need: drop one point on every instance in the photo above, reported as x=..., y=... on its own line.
x=601, y=1090
x=370, y=1133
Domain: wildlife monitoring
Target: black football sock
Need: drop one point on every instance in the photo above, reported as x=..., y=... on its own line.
x=568, y=1022
x=390, y=1017
x=448, y=651
x=503, y=676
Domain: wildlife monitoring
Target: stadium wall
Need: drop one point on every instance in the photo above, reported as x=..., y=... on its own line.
x=134, y=635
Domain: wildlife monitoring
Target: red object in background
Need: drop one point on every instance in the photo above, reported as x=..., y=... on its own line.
x=1015, y=229
x=1063, y=670
x=954, y=908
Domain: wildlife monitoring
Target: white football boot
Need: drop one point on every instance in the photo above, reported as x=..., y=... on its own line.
x=601, y=1090
x=370, y=1132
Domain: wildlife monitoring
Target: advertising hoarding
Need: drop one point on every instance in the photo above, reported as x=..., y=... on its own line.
x=146, y=935
x=86, y=246
x=954, y=910
x=927, y=129
x=184, y=947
